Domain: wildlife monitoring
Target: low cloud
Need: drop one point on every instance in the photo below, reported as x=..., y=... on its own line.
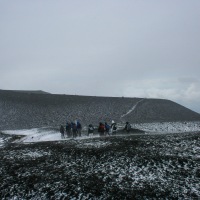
x=187, y=93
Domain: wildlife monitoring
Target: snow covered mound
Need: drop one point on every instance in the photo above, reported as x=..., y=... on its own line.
x=25, y=110
x=35, y=135
x=29, y=110
x=160, y=110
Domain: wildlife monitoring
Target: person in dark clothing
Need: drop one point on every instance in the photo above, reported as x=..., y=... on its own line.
x=79, y=128
x=68, y=129
x=107, y=129
x=90, y=130
x=74, y=130
x=113, y=128
x=62, y=131
x=101, y=129
x=127, y=127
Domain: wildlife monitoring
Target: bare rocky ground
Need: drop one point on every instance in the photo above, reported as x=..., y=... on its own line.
x=130, y=166
x=134, y=166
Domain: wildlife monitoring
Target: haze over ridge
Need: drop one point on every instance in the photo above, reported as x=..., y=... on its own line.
x=146, y=49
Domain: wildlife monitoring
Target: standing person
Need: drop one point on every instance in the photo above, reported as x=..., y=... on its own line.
x=71, y=125
x=90, y=130
x=62, y=131
x=101, y=129
x=127, y=127
x=79, y=128
x=74, y=130
x=107, y=129
x=113, y=128
x=68, y=129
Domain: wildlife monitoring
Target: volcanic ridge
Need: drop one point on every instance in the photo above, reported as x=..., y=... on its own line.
x=26, y=109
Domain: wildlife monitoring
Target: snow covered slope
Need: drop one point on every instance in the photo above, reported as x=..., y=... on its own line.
x=25, y=110
x=160, y=110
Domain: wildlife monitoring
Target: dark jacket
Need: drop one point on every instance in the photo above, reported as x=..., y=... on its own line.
x=62, y=130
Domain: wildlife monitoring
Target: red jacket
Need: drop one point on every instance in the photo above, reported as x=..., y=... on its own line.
x=101, y=128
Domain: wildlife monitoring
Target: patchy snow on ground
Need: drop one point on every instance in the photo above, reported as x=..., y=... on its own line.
x=94, y=144
x=35, y=134
x=168, y=127
x=51, y=134
x=124, y=166
x=4, y=139
x=26, y=154
x=22, y=131
x=1, y=142
x=146, y=166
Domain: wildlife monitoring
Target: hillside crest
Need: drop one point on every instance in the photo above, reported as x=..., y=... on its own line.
x=27, y=109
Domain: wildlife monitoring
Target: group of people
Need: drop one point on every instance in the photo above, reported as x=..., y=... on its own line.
x=74, y=129
x=106, y=129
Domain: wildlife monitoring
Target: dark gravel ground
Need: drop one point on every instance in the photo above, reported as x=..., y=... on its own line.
x=116, y=167
x=161, y=110
x=21, y=110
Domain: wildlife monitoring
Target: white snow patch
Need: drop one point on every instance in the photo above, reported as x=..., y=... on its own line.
x=168, y=127
x=24, y=154
x=35, y=134
x=1, y=142
x=41, y=135
x=47, y=134
x=96, y=144
x=22, y=132
x=132, y=109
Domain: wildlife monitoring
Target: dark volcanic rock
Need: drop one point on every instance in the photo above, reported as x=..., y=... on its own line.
x=29, y=110
x=161, y=110
x=121, y=167
x=26, y=110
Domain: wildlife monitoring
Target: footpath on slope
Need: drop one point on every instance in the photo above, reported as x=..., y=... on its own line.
x=132, y=109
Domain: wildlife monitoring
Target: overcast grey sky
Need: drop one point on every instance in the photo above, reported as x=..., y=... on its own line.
x=135, y=48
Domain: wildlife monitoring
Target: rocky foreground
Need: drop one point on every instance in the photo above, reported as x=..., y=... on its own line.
x=116, y=167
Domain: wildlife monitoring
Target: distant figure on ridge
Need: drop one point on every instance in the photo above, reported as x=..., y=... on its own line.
x=74, y=130
x=107, y=129
x=79, y=128
x=68, y=129
x=62, y=131
x=101, y=129
x=90, y=130
x=113, y=128
x=127, y=127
